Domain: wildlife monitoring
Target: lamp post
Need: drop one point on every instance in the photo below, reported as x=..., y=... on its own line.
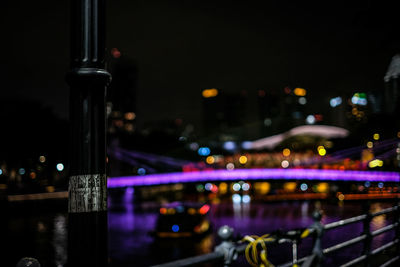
x=87, y=200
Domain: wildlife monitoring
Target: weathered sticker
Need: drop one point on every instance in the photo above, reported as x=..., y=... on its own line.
x=87, y=193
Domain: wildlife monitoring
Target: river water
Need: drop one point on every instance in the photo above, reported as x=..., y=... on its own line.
x=40, y=230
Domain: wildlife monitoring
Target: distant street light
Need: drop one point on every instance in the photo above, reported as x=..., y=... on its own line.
x=60, y=167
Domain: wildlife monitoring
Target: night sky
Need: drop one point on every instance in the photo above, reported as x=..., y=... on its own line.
x=182, y=47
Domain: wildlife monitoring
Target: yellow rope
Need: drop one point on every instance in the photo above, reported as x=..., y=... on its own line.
x=305, y=234
x=255, y=257
x=258, y=258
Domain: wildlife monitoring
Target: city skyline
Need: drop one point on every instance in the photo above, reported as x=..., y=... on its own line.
x=180, y=49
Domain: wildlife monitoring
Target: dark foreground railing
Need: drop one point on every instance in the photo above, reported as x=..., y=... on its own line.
x=255, y=248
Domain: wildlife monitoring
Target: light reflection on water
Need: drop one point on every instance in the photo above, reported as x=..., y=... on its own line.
x=245, y=218
x=59, y=240
x=130, y=244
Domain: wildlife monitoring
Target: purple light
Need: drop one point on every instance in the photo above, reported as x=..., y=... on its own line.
x=253, y=174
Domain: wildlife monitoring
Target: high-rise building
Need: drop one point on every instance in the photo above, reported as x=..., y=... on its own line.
x=122, y=90
x=391, y=94
x=222, y=112
x=121, y=94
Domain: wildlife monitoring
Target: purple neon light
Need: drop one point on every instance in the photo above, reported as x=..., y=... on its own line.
x=253, y=174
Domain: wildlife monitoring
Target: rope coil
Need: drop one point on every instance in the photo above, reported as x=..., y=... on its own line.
x=254, y=256
x=256, y=251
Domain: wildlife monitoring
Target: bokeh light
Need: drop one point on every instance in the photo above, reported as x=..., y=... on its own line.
x=286, y=152
x=60, y=167
x=243, y=159
x=208, y=93
x=285, y=164
x=210, y=160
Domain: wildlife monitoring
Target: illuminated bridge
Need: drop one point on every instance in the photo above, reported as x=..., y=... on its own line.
x=384, y=149
x=254, y=174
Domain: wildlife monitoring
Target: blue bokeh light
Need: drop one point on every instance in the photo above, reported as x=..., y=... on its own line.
x=229, y=145
x=141, y=171
x=175, y=228
x=21, y=171
x=303, y=187
x=204, y=151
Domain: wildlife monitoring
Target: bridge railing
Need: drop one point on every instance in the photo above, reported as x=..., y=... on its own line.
x=252, y=247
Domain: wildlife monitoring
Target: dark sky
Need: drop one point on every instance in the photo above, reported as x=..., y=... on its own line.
x=182, y=47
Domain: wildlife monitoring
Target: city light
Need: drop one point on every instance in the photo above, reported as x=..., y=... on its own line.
x=370, y=144
x=286, y=152
x=191, y=211
x=300, y=92
x=321, y=150
x=175, y=228
x=210, y=160
x=245, y=187
x=32, y=175
x=290, y=186
x=243, y=159
x=60, y=167
x=194, y=146
x=230, y=166
x=229, y=145
x=200, y=188
x=376, y=136
x=359, y=99
x=208, y=186
x=171, y=211
x=236, y=198
x=310, y=119
x=115, y=53
x=223, y=188
x=246, y=199
x=130, y=116
x=302, y=100
x=285, y=164
x=263, y=187
x=334, y=102
x=207, y=93
x=303, y=187
x=375, y=163
x=323, y=187
x=214, y=188
x=204, y=209
x=246, y=145
x=21, y=171
x=141, y=171
x=203, y=151
x=42, y=159
x=267, y=122
x=236, y=187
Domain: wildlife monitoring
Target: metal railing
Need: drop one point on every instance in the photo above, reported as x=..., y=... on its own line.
x=228, y=251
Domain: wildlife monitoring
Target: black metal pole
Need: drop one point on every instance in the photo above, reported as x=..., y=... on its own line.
x=367, y=232
x=87, y=206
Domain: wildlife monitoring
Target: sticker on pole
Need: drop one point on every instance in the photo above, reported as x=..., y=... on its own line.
x=87, y=193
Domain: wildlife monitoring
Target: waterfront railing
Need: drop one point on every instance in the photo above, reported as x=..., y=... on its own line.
x=255, y=248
